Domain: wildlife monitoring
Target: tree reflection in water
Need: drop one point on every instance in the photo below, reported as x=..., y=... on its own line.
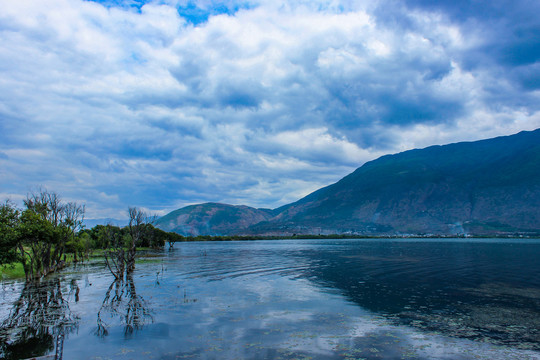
x=122, y=301
x=38, y=322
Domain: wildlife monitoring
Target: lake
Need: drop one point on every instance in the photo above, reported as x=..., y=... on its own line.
x=288, y=299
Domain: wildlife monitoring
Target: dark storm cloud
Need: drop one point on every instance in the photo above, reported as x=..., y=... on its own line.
x=506, y=37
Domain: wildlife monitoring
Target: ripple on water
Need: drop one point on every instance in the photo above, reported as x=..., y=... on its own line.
x=328, y=299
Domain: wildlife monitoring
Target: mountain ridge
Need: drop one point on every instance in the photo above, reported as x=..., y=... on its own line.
x=482, y=187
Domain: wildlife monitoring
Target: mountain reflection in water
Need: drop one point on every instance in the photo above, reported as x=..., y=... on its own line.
x=290, y=299
x=482, y=291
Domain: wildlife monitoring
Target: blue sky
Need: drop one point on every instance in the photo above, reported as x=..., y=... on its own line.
x=162, y=104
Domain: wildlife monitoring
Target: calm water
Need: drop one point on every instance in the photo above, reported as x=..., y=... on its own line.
x=291, y=299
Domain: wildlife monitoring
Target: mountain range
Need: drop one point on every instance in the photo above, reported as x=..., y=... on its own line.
x=484, y=187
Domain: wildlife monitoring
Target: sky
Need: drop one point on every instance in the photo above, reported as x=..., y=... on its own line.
x=162, y=104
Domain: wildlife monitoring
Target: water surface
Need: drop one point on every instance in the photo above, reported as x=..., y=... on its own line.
x=289, y=299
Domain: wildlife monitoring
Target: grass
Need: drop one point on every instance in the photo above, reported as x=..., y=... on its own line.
x=12, y=271
x=16, y=270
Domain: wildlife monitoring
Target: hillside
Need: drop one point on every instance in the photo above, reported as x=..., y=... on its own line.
x=483, y=187
x=212, y=219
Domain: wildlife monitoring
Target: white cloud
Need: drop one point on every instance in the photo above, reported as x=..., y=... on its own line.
x=316, y=144
x=259, y=106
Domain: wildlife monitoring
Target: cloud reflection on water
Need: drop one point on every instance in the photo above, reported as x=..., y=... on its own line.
x=217, y=306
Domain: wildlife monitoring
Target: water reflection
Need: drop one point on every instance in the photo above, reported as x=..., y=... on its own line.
x=476, y=291
x=122, y=302
x=322, y=300
x=38, y=322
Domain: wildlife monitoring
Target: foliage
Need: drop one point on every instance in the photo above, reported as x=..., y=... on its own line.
x=99, y=237
x=9, y=218
x=154, y=237
x=36, y=238
x=39, y=236
x=48, y=232
x=46, y=227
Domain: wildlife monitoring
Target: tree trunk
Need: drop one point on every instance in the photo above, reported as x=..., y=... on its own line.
x=131, y=258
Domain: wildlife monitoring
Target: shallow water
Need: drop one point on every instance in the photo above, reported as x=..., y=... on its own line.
x=289, y=299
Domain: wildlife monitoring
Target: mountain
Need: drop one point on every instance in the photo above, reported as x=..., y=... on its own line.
x=212, y=219
x=483, y=187
x=90, y=223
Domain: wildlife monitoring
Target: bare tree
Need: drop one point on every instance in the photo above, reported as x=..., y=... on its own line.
x=115, y=255
x=137, y=220
x=72, y=218
x=152, y=219
x=47, y=204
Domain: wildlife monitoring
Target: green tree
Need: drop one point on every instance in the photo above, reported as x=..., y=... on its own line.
x=35, y=239
x=87, y=243
x=45, y=228
x=9, y=222
x=137, y=221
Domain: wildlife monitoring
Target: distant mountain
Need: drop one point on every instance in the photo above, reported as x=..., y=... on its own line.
x=212, y=219
x=90, y=223
x=483, y=187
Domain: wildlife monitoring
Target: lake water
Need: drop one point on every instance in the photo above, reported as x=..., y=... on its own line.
x=289, y=299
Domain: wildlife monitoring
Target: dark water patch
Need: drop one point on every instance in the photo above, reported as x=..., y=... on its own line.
x=480, y=291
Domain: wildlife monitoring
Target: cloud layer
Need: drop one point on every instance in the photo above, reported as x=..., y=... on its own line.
x=161, y=104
